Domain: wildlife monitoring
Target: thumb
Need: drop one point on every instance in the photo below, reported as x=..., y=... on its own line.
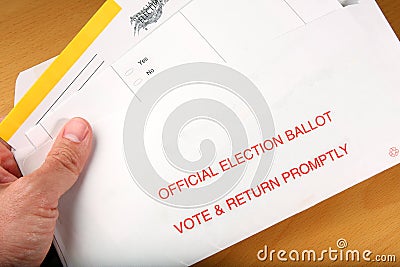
x=65, y=161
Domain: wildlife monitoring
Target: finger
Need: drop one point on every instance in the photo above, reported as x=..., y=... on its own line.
x=5, y=144
x=8, y=162
x=65, y=161
x=6, y=177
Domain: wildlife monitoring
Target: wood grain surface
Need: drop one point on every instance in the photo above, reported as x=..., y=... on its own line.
x=367, y=215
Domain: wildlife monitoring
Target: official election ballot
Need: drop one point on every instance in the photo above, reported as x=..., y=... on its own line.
x=220, y=123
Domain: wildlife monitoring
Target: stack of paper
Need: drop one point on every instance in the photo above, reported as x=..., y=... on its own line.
x=213, y=120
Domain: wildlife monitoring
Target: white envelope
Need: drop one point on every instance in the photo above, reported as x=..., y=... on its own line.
x=208, y=90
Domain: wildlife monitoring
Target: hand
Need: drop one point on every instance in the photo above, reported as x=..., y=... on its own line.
x=28, y=205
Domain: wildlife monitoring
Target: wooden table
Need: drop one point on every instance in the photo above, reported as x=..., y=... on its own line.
x=367, y=215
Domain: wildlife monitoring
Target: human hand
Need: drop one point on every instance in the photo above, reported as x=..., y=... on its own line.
x=28, y=205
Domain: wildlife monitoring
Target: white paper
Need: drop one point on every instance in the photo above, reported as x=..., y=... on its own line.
x=119, y=35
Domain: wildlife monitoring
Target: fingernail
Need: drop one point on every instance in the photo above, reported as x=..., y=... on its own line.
x=76, y=130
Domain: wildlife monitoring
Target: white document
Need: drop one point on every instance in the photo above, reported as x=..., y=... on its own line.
x=217, y=126
x=111, y=33
x=304, y=10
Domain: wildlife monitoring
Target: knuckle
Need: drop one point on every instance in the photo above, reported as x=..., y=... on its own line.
x=67, y=159
x=44, y=202
x=46, y=213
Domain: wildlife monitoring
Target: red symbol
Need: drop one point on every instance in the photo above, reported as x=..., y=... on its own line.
x=394, y=152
